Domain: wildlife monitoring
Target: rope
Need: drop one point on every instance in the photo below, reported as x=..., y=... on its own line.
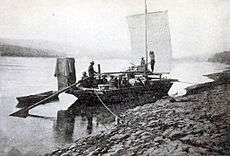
x=135, y=126
x=106, y=106
x=104, y=126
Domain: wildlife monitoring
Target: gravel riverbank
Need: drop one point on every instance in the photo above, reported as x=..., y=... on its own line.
x=194, y=124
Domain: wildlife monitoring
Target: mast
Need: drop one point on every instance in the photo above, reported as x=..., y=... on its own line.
x=146, y=39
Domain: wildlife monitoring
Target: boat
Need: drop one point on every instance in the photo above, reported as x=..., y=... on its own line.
x=138, y=94
x=147, y=87
x=26, y=101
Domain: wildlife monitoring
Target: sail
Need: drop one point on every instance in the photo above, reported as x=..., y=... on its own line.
x=158, y=38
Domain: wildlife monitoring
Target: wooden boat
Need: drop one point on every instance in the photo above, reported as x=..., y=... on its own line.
x=154, y=85
x=26, y=101
x=133, y=95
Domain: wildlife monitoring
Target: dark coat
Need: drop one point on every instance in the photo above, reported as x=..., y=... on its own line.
x=91, y=71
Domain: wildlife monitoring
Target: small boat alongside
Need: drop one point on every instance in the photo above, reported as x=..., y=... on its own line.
x=26, y=101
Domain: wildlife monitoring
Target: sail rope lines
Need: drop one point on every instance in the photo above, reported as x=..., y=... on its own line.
x=126, y=123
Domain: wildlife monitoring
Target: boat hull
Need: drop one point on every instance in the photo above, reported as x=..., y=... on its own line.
x=136, y=95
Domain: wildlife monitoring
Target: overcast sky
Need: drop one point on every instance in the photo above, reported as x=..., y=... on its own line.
x=197, y=26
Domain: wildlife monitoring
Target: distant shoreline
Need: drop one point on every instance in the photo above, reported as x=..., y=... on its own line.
x=20, y=51
x=222, y=57
x=30, y=56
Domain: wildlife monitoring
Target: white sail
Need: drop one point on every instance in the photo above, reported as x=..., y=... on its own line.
x=158, y=38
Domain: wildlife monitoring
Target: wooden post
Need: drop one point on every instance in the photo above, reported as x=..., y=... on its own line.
x=99, y=70
x=65, y=72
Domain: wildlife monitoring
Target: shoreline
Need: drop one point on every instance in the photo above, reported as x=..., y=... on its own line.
x=194, y=124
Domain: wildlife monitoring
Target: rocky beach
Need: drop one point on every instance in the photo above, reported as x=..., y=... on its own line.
x=197, y=123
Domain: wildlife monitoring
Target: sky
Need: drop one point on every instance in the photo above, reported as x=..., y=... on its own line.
x=197, y=27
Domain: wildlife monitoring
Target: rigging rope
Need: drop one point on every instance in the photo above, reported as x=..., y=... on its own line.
x=106, y=106
x=135, y=126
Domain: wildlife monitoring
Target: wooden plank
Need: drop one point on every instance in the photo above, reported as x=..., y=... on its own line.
x=134, y=72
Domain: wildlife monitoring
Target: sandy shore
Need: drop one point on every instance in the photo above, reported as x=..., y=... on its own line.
x=195, y=124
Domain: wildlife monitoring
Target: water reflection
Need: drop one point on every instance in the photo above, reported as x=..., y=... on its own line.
x=64, y=126
x=90, y=124
x=91, y=118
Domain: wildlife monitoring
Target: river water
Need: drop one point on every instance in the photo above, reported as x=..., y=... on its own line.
x=23, y=76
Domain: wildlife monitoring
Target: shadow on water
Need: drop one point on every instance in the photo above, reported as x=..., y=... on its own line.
x=94, y=116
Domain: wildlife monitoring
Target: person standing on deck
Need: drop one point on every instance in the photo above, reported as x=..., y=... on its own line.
x=142, y=67
x=152, y=60
x=91, y=73
x=142, y=61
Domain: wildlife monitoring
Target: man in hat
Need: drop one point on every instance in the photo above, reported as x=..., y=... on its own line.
x=152, y=59
x=91, y=71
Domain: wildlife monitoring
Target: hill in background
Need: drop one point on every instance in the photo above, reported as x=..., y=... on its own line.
x=7, y=49
x=223, y=57
x=48, y=48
